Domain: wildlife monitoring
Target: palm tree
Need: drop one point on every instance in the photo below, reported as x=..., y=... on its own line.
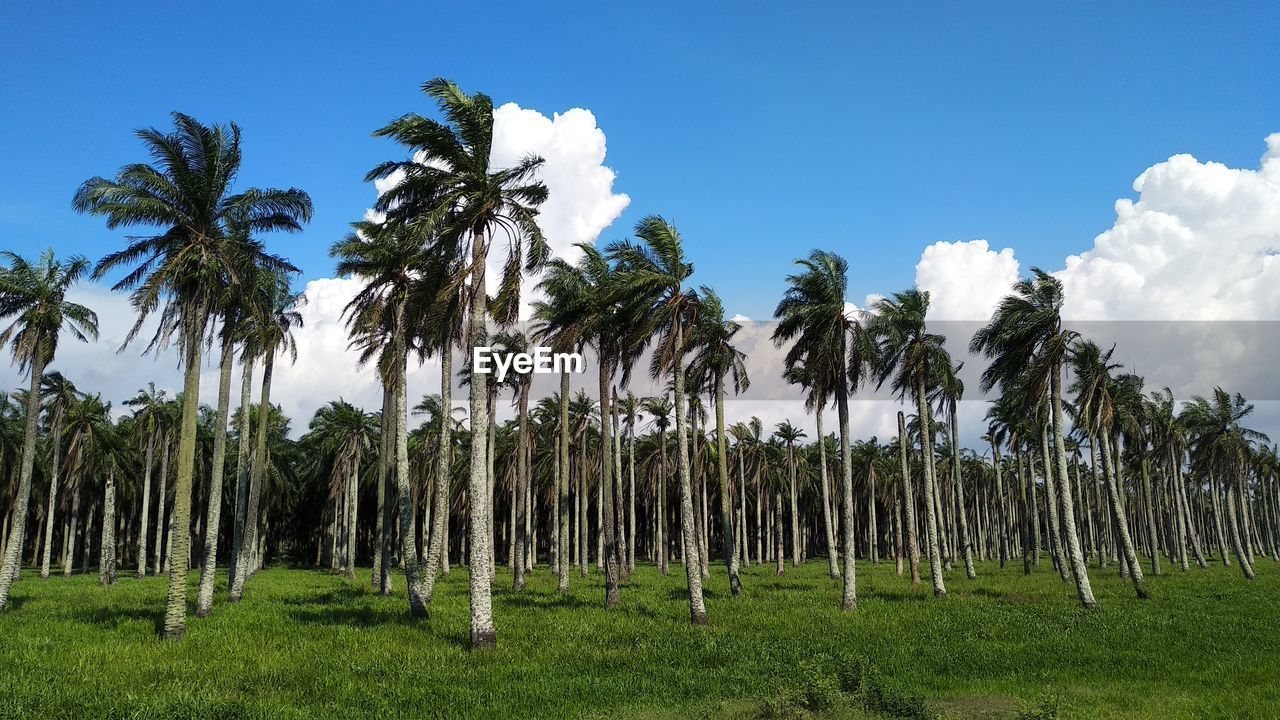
x=816, y=402
x=913, y=357
x=948, y=392
x=788, y=435
x=812, y=314
x=654, y=274
x=148, y=417
x=252, y=268
x=1219, y=446
x=629, y=407
x=716, y=359
x=34, y=295
x=343, y=434
x=272, y=333
x=1094, y=388
x=448, y=185
x=59, y=395
x=659, y=410
x=1028, y=345
x=187, y=196
x=401, y=275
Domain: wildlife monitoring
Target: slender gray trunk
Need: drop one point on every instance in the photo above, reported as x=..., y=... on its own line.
x=213, y=515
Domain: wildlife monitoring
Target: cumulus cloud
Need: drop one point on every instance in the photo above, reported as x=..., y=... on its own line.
x=965, y=280
x=1199, y=243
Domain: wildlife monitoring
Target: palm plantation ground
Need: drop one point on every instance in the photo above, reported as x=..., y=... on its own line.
x=306, y=644
x=1108, y=546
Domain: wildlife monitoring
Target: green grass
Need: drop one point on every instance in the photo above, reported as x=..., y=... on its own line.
x=308, y=644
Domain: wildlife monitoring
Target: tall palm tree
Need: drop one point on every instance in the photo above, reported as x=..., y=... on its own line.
x=912, y=356
x=34, y=296
x=148, y=417
x=343, y=434
x=449, y=185
x=717, y=359
x=252, y=267
x=654, y=273
x=1095, y=388
x=401, y=275
x=812, y=316
x=58, y=394
x=949, y=389
x=1028, y=345
x=630, y=409
x=788, y=435
x=272, y=334
x=1219, y=446
x=187, y=195
x=659, y=410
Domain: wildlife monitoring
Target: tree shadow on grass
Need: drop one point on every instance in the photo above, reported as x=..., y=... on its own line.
x=342, y=594
x=350, y=616
x=111, y=618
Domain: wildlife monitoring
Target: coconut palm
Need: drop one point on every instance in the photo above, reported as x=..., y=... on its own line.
x=252, y=268
x=187, y=195
x=447, y=184
x=1095, y=389
x=812, y=316
x=58, y=395
x=1219, y=447
x=716, y=359
x=272, y=333
x=1028, y=345
x=913, y=357
x=788, y=435
x=653, y=275
x=949, y=389
x=34, y=297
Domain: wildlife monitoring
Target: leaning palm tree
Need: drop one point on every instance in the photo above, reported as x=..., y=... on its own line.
x=273, y=333
x=188, y=196
x=34, y=296
x=59, y=395
x=448, y=185
x=716, y=359
x=1027, y=345
x=1219, y=446
x=812, y=316
x=653, y=275
x=913, y=356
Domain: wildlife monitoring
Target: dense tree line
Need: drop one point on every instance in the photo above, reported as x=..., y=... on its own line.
x=1082, y=465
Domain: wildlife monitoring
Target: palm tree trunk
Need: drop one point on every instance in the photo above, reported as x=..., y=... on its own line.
x=692, y=564
x=849, y=593
x=1078, y=566
x=520, y=490
x=107, y=555
x=1122, y=522
x=353, y=514
x=213, y=518
x=631, y=496
x=161, y=515
x=833, y=560
x=1051, y=504
x=241, y=494
x=175, y=615
x=966, y=547
x=1233, y=528
x=246, y=563
x=22, y=499
x=562, y=481
x=908, y=501
x=607, y=518
x=408, y=549
x=1148, y=505
x=483, y=633
x=383, y=552
x=46, y=554
x=444, y=462
x=726, y=499
x=146, y=505
x=930, y=502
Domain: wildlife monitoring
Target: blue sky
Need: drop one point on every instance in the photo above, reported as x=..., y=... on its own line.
x=761, y=130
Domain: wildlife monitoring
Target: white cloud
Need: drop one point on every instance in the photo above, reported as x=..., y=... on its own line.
x=965, y=280
x=1198, y=244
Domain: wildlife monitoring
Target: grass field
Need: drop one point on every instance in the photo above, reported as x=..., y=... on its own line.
x=309, y=644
